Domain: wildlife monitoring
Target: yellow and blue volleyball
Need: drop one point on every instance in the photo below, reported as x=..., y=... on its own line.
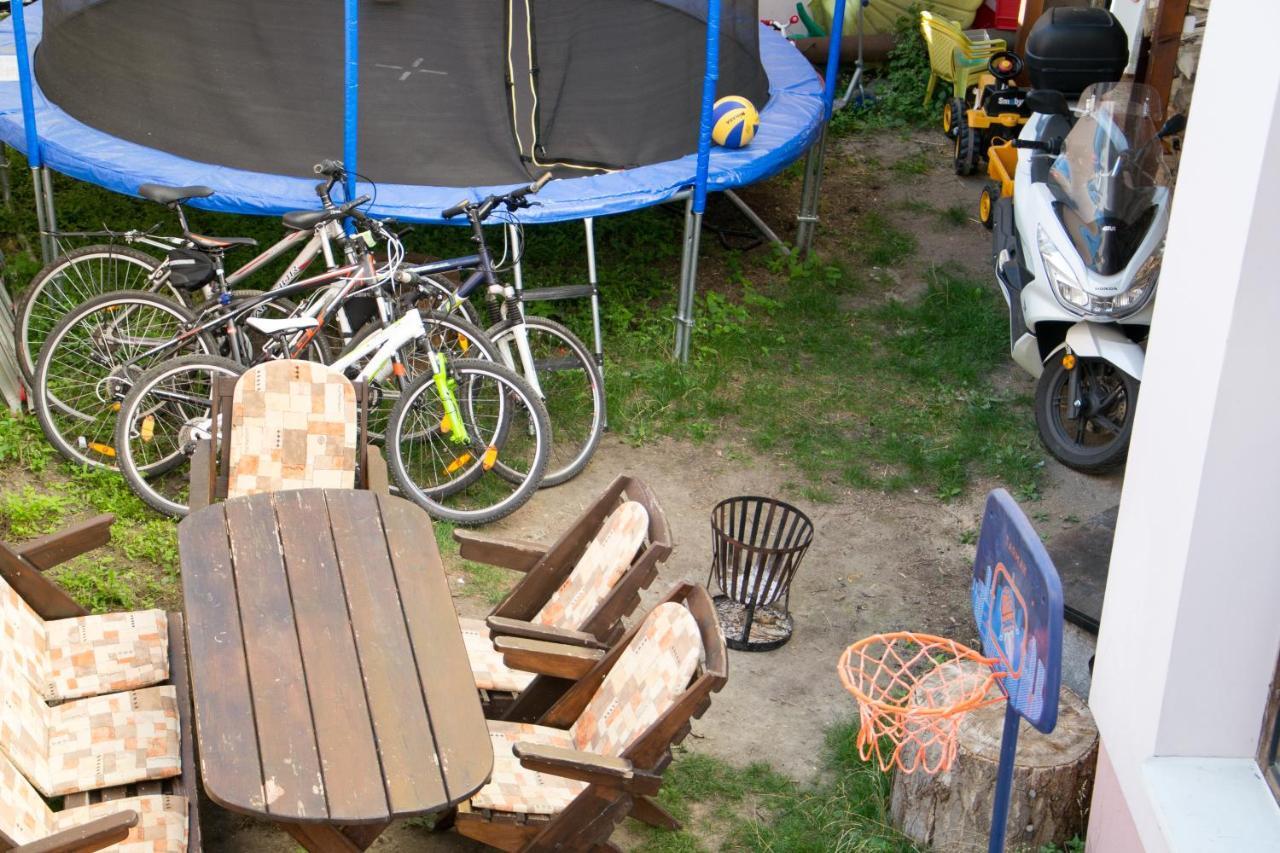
x=734, y=122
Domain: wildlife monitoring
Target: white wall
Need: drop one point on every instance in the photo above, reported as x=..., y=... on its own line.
x=1189, y=630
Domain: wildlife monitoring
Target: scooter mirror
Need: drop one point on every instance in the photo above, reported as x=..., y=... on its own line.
x=1047, y=101
x=1175, y=125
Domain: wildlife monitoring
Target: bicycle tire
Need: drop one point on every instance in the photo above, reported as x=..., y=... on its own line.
x=92, y=426
x=159, y=484
x=576, y=437
x=28, y=336
x=510, y=392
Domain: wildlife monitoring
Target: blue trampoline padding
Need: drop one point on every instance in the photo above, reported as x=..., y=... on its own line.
x=789, y=124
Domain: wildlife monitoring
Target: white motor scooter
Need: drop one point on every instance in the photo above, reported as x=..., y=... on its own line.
x=1077, y=255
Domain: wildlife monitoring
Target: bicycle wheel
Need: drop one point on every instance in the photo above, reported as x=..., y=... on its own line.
x=90, y=360
x=70, y=279
x=571, y=387
x=162, y=417
x=451, y=478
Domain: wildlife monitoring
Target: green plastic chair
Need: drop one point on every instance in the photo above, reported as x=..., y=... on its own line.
x=953, y=57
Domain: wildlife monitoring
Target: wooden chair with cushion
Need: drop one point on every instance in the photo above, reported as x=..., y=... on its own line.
x=574, y=592
x=598, y=754
x=286, y=425
x=65, y=743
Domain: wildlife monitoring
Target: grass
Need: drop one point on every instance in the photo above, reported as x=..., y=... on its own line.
x=756, y=808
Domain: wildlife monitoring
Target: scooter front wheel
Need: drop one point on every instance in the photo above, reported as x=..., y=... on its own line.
x=1084, y=411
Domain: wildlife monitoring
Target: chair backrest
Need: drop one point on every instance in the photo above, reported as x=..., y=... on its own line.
x=294, y=425
x=23, y=639
x=24, y=815
x=24, y=730
x=531, y=597
x=940, y=40
x=644, y=683
x=601, y=566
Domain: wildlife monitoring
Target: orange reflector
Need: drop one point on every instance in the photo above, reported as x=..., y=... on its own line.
x=104, y=449
x=398, y=369
x=1069, y=361
x=463, y=343
x=454, y=466
x=148, y=429
x=446, y=425
x=490, y=457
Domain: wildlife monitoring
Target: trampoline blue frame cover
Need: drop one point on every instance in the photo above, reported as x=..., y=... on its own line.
x=798, y=105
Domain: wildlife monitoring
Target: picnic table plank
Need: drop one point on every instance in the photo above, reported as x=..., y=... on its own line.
x=396, y=700
x=228, y=751
x=466, y=756
x=291, y=778
x=344, y=733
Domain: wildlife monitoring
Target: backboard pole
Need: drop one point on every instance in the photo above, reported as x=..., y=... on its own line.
x=1004, y=780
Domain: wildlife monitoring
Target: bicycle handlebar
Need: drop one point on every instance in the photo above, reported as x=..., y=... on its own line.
x=512, y=199
x=330, y=168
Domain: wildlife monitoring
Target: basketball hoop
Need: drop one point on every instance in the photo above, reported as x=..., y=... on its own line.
x=913, y=690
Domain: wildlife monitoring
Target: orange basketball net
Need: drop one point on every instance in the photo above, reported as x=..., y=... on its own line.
x=913, y=690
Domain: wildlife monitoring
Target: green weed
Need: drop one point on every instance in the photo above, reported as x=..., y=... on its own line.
x=21, y=442
x=99, y=586
x=31, y=513
x=475, y=579
x=955, y=215
x=880, y=243
x=913, y=165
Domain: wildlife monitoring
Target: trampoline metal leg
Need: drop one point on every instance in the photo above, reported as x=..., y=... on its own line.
x=6, y=193
x=50, y=213
x=808, y=215
x=42, y=215
x=755, y=220
x=688, y=280
x=589, y=229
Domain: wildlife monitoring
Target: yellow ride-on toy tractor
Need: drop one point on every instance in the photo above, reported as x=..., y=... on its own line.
x=997, y=115
x=1002, y=161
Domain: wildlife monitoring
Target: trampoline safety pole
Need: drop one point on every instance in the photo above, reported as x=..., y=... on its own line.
x=807, y=218
x=351, y=98
x=40, y=181
x=698, y=201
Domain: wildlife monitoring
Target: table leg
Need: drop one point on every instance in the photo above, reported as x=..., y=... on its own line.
x=328, y=838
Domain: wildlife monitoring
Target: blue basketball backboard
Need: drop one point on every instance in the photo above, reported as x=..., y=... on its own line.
x=1017, y=605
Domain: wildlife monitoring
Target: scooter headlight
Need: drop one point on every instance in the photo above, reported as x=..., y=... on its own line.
x=1061, y=280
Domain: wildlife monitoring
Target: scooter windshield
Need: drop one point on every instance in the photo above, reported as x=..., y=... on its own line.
x=1108, y=172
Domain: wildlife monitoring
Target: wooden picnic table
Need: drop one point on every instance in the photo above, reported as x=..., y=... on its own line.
x=331, y=685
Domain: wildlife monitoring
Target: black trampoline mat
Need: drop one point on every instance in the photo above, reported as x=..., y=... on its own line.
x=258, y=84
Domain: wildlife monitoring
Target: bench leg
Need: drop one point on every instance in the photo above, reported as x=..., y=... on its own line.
x=327, y=838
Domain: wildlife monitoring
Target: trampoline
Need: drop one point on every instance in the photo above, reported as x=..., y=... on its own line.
x=431, y=99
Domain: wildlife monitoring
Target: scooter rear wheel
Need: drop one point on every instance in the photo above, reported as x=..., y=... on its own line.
x=1095, y=439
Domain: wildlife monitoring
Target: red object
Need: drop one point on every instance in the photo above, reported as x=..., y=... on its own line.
x=997, y=14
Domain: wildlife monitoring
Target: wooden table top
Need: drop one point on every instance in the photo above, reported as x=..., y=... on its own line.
x=330, y=679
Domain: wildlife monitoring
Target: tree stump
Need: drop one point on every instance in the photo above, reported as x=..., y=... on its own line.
x=1052, y=784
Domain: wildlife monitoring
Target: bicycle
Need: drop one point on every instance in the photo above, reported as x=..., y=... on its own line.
x=190, y=265
x=559, y=367
x=449, y=427
x=93, y=355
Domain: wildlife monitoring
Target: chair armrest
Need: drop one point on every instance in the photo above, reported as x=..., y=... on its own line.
x=94, y=835
x=504, y=553
x=200, y=493
x=48, y=551
x=588, y=767
x=554, y=659
x=503, y=626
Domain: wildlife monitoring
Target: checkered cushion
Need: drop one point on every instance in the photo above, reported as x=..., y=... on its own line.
x=644, y=682
x=293, y=426
x=487, y=666
x=87, y=655
x=87, y=743
x=601, y=566
x=512, y=788
x=24, y=815
x=113, y=740
x=107, y=653
x=162, y=823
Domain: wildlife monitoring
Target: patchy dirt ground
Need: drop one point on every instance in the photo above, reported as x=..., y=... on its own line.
x=878, y=561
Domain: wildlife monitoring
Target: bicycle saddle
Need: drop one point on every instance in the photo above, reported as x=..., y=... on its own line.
x=274, y=326
x=213, y=244
x=170, y=195
x=303, y=220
